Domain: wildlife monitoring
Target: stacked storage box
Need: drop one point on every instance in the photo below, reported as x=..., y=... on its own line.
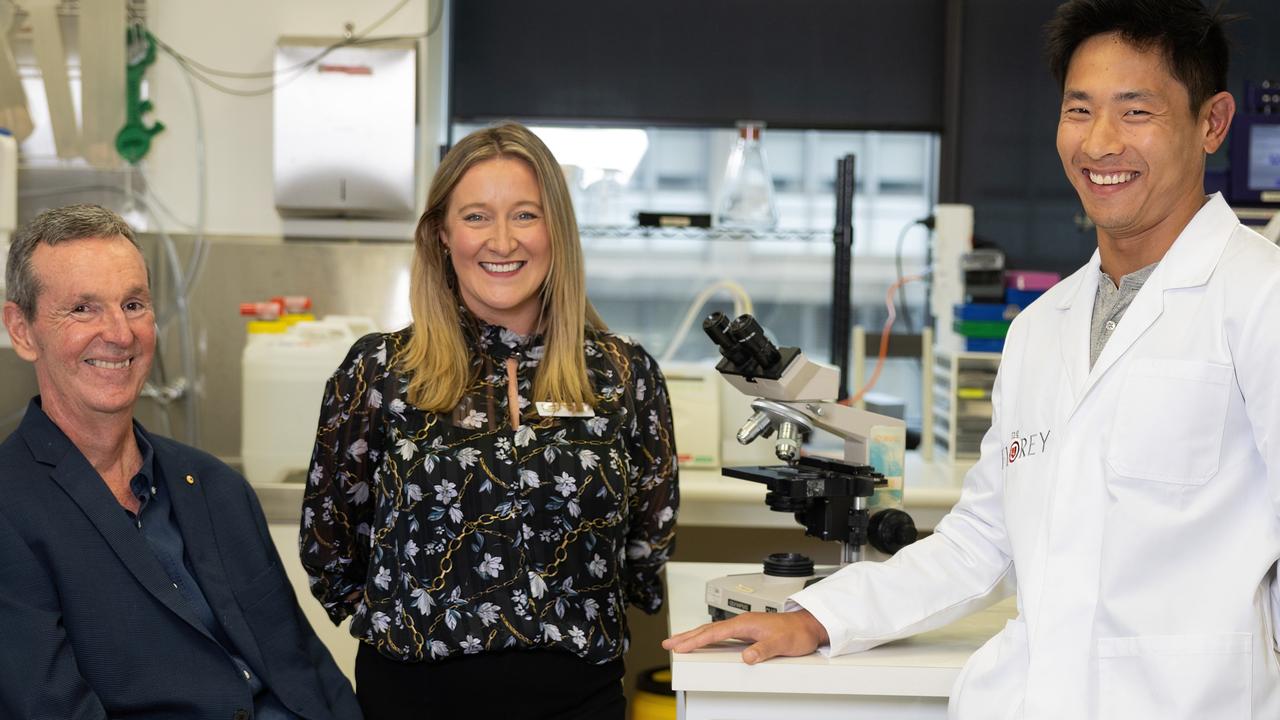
x=985, y=324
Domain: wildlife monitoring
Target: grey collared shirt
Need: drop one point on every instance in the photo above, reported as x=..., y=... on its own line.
x=1109, y=305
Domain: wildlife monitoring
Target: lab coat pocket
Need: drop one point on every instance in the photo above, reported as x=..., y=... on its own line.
x=991, y=684
x=1169, y=421
x=1175, y=677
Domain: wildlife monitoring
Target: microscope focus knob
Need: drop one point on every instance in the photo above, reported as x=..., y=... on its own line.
x=891, y=530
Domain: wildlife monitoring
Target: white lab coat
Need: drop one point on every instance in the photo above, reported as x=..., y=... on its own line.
x=1135, y=505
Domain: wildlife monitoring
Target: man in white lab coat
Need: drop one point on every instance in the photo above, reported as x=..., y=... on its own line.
x=1142, y=532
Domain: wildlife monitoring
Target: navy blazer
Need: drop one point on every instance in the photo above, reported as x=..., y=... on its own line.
x=91, y=626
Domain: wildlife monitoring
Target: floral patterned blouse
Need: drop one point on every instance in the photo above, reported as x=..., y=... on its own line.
x=447, y=534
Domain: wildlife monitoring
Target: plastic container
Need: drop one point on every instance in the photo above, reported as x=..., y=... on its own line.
x=974, y=344
x=654, y=699
x=887, y=453
x=981, y=328
x=296, y=308
x=746, y=195
x=284, y=370
x=266, y=318
x=986, y=312
x=1030, y=280
x=1022, y=298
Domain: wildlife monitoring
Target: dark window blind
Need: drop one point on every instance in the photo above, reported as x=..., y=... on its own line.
x=850, y=64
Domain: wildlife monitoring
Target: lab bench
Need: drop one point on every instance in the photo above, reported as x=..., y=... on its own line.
x=908, y=679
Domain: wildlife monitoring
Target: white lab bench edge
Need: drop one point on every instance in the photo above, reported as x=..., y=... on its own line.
x=909, y=678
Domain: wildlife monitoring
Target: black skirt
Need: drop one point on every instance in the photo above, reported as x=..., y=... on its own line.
x=509, y=685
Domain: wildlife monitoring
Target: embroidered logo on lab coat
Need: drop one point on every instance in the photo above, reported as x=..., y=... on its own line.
x=1029, y=445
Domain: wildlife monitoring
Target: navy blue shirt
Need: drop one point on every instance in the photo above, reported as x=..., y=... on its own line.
x=155, y=521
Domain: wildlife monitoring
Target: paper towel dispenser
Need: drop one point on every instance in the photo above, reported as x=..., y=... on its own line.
x=345, y=128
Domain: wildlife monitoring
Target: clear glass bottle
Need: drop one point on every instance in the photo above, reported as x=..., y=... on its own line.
x=604, y=200
x=746, y=195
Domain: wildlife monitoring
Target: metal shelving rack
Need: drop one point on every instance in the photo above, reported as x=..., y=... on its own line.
x=634, y=232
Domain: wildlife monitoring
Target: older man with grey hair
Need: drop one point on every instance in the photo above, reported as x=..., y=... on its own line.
x=137, y=575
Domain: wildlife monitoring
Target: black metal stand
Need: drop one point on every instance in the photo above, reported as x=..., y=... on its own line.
x=842, y=268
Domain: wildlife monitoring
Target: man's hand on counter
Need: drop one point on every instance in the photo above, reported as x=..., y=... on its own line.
x=788, y=634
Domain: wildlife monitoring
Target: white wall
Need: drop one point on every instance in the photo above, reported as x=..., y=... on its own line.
x=241, y=35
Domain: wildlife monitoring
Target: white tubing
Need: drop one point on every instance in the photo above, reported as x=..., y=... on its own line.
x=741, y=305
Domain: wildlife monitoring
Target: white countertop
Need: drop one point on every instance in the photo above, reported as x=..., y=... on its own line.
x=708, y=498
x=922, y=666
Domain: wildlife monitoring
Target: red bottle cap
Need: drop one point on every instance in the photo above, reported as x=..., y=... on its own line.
x=261, y=310
x=293, y=303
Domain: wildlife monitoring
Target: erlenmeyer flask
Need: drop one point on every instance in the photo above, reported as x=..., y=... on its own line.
x=604, y=200
x=746, y=195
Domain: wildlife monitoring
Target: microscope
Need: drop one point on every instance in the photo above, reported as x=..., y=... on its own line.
x=829, y=497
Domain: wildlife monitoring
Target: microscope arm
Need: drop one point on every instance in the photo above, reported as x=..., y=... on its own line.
x=850, y=424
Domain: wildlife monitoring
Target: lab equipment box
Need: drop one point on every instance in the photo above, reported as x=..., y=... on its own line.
x=962, y=384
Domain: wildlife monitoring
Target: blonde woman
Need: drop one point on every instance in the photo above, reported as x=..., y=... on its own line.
x=492, y=485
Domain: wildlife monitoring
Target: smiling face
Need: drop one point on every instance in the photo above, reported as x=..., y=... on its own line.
x=1131, y=146
x=496, y=233
x=92, y=336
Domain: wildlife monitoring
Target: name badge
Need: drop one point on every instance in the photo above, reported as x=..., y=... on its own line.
x=552, y=409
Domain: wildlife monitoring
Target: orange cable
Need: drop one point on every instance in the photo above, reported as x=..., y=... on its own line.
x=884, y=338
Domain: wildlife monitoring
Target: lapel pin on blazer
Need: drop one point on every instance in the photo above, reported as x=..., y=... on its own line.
x=191, y=480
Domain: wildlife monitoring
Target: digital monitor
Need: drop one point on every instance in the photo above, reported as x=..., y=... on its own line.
x=1264, y=158
x=1255, y=160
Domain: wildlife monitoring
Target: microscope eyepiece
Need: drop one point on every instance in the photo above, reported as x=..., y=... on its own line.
x=747, y=350
x=716, y=326
x=748, y=334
